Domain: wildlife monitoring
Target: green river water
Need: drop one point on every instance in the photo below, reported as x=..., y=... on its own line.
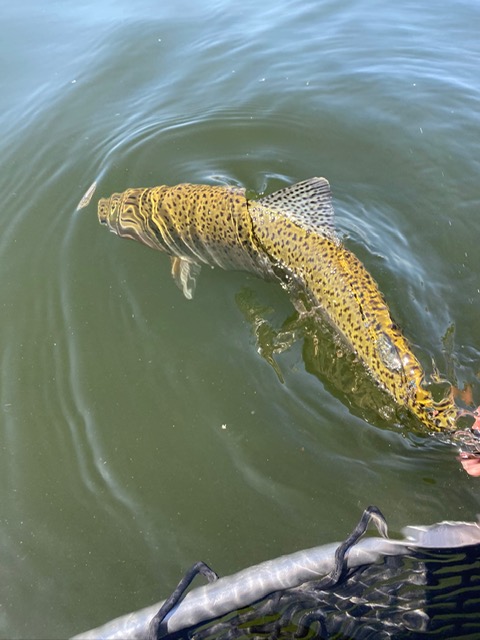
x=140, y=431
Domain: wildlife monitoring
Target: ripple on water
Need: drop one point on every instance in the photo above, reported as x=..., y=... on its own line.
x=116, y=468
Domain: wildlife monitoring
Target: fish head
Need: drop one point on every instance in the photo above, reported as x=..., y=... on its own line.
x=124, y=216
x=108, y=211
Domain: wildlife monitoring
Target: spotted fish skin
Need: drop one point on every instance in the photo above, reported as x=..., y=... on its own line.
x=194, y=224
x=288, y=232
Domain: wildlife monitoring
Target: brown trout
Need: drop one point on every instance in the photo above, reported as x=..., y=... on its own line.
x=288, y=233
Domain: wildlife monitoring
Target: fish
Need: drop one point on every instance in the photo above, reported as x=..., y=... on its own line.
x=289, y=234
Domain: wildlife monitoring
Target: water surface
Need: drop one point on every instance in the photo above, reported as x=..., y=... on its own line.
x=140, y=431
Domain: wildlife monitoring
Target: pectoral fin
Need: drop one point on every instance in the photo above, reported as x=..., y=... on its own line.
x=185, y=275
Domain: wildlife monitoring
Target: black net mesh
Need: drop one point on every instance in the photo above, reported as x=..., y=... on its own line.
x=422, y=595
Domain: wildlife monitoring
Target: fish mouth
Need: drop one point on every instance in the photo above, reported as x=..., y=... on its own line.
x=123, y=221
x=108, y=211
x=103, y=210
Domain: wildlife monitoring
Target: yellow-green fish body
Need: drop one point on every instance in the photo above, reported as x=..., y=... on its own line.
x=290, y=231
x=194, y=224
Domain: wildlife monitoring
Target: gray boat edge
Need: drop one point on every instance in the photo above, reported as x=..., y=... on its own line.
x=254, y=583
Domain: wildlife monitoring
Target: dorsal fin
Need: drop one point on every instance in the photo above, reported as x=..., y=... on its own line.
x=309, y=203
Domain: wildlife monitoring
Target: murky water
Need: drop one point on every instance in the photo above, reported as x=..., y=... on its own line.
x=140, y=431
